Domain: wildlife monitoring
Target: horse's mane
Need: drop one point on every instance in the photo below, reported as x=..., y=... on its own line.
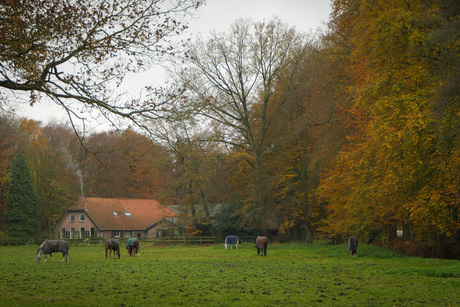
x=40, y=248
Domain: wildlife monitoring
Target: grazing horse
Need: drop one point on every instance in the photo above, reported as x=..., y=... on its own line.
x=232, y=240
x=133, y=244
x=112, y=245
x=352, y=245
x=53, y=246
x=261, y=245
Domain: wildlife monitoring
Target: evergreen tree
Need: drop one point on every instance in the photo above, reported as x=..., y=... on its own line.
x=22, y=203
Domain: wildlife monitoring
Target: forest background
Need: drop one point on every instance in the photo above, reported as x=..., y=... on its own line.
x=354, y=131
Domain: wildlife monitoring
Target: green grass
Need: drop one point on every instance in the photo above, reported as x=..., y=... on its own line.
x=291, y=274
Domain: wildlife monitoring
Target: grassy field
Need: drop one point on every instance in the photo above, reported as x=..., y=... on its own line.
x=291, y=274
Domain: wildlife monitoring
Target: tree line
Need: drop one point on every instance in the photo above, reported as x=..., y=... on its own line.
x=353, y=131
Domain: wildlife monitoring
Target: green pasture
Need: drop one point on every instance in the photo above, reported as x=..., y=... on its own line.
x=291, y=274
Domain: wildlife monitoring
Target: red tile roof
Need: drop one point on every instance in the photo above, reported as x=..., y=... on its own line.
x=144, y=213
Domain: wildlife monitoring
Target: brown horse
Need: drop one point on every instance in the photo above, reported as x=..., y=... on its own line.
x=352, y=245
x=261, y=245
x=112, y=245
x=133, y=245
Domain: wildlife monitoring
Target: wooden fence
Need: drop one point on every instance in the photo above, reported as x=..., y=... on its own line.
x=149, y=241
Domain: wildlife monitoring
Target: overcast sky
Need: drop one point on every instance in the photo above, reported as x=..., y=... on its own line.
x=306, y=15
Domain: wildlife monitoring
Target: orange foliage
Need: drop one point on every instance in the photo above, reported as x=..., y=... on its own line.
x=384, y=178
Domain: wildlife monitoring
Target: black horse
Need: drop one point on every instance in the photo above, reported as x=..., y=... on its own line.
x=261, y=245
x=112, y=245
x=352, y=245
x=53, y=246
x=133, y=245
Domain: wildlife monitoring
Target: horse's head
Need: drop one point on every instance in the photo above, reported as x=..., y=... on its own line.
x=39, y=255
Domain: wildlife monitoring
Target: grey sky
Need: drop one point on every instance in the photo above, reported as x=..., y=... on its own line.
x=220, y=14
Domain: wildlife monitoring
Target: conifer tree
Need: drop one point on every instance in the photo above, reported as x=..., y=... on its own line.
x=22, y=203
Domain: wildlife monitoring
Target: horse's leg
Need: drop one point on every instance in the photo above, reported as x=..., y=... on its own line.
x=225, y=245
x=45, y=259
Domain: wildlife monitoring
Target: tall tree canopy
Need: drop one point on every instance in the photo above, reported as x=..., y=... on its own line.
x=396, y=171
x=232, y=77
x=79, y=51
x=22, y=204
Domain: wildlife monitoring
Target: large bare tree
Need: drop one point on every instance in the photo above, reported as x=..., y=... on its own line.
x=76, y=52
x=232, y=79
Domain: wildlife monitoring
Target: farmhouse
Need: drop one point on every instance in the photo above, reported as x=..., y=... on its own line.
x=117, y=217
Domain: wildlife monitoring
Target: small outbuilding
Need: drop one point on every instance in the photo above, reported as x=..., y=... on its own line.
x=118, y=217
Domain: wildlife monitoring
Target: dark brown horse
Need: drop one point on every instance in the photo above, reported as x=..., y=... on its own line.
x=261, y=245
x=112, y=245
x=133, y=245
x=352, y=245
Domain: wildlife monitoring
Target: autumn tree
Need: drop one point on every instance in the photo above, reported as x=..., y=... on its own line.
x=389, y=175
x=51, y=166
x=76, y=53
x=198, y=180
x=123, y=164
x=307, y=135
x=232, y=78
x=8, y=151
x=22, y=204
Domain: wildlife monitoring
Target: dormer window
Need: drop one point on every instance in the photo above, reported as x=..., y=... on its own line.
x=128, y=214
x=115, y=214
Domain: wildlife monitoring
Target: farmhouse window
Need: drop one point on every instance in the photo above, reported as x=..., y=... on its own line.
x=72, y=233
x=62, y=233
x=72, y=218
x=82, y=217
x=114, y=213
x=128, y=214
x=116, y=233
